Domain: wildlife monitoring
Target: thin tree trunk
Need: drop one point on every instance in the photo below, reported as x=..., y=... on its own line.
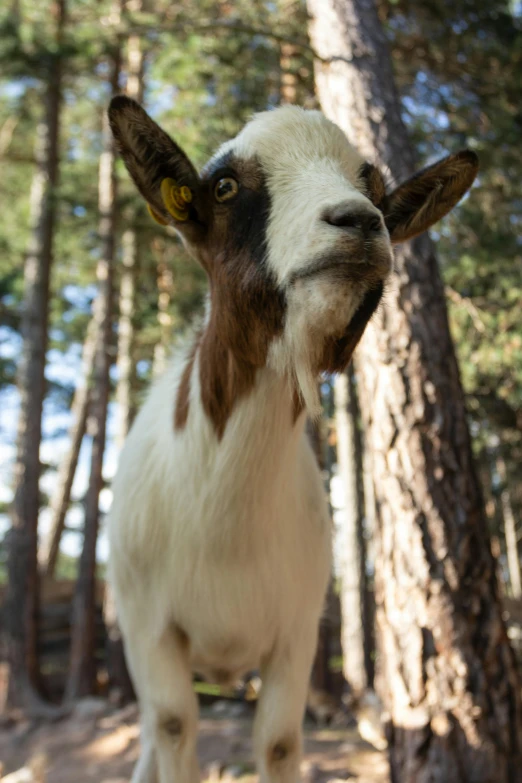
x=82, y=664
x=120, y=682
x=288, y=80
x=353, y=587
x=126, y=364
x=510, y=531
x=165, y=290
x=125, y=409
x=321, y=676
x=363, y=527
x=49, y=549
x=22, y=592
x=449, y=675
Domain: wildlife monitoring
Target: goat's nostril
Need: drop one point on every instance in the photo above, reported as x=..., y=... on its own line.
x=373, y=224
x=342, y=219
x=345, y=216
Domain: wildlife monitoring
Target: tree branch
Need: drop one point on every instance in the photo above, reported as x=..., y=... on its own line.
x=467, y=304
x=141, y=23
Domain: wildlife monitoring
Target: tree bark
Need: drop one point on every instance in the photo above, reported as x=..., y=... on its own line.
x=510, y=531
x=22, y=592
x=449, y=676
x=49, y=549
x=82, y=663
x=353, y=579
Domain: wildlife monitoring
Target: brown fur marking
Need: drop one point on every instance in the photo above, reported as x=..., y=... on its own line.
x=247, y=310
x=373, y=182
x=182, y=401
x=281, y=749
x=172, y=725
x=429, y=195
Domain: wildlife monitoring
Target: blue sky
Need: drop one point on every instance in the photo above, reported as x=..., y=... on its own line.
x=65, y=368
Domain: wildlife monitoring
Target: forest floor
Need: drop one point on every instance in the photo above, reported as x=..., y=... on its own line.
x=100, y=745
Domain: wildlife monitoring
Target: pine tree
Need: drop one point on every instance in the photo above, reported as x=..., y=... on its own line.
x=458, y=69
x=450, y=681
x=59, y=502
x=82, y=666
x=22, y=596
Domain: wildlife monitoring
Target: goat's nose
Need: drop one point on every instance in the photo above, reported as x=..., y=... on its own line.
x=350, y=217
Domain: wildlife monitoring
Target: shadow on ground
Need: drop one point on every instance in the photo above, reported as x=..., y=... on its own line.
x=99, y=745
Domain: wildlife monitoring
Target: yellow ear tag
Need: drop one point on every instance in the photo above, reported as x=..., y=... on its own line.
x=154, y=215
x=176, y=199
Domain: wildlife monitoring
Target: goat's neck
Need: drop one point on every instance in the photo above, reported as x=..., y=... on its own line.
x=252, y=409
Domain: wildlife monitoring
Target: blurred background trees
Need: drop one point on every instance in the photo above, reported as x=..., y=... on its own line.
x=94, y=295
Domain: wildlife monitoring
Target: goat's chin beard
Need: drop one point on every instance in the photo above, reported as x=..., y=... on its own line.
x=307, y=384
x=319, y=340
x=299, y=363
x=303, y=354
x=290, y=358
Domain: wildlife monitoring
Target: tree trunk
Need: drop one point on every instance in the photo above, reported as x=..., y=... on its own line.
x=287, y=51
x=449, y=677
x=321, y=676
x=125, y=409
x=353, y=580
x=165, y=290
x=122, y=690
x=288, y=91
x=364, y=519
x=82, y=664
x=22, y=592
x=48, y=553
x=126, y=365
x=510, y=531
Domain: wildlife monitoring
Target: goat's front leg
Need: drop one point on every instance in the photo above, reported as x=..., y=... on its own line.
x=169, y=710
x=145, y=770
x=278, y=732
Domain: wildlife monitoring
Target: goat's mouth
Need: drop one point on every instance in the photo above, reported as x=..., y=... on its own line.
x=370, y=268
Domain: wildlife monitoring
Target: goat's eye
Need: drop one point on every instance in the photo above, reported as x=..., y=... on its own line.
x=226, y=189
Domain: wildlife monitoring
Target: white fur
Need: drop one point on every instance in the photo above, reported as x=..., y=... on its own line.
x=221, y=549
x=310, y=166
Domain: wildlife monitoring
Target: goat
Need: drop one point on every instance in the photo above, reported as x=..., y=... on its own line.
x=219, y=530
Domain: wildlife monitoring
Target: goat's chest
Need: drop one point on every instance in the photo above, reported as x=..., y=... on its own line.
x=245, y=575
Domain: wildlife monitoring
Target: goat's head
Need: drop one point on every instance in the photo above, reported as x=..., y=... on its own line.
x=293, y=227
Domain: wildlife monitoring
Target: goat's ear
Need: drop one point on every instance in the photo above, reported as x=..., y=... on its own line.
x=429, y=195
x=160, y=169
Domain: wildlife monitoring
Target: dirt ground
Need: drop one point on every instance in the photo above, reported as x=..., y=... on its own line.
x=100, y=745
